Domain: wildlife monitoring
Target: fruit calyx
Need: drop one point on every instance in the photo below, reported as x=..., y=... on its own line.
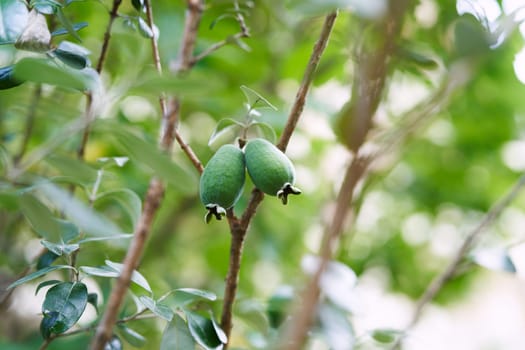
x=214, y=210
x=286, y=190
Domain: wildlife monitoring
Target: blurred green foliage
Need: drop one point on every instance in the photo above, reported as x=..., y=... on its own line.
x=450, y=178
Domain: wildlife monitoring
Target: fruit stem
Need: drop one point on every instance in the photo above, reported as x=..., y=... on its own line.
x=286, y=190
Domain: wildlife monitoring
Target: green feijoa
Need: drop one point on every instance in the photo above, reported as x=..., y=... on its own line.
x=222, y=181
x=270, y=169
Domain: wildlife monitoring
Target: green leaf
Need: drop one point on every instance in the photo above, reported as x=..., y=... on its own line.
x=264, y=130
x=218, y=330
x=137, y=4
x=73, y=55
x=13, y=20
x=132, y=337
x=68, y=230
x=106, y=238
x=45, y=71
x=45, y=284
x=226, y=131
x=48, y=7
x=232, y=39
x=416, y=58
x=144, y=28
x=38, y=273
x=93, y=300
x=136, y=276
x=220, y=18
x=46, y=260
x=470, y=38
x=113, y=269
x=278, y=305
x=103, y=271
x=157, y=308
x=203, y=331
x=386, y=335
x=7, y=79
x=62, y=307
x=255, y=100
x=494, y=259
x=84, y=217
x=40, y=217
x=128, y=199
x=67, y=24
x=60, y=248
x=176, y=335
x=148, y=154
x=76, y=27
x=253, y=313
x=184, y=296
x=49, y=321
x=9, y=200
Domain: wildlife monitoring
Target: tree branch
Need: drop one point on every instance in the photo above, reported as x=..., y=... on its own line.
x=369, y=81
x=155, y=191
x=89, y=116
x=437, y=284
x=107, y=35
x=300, y=97
x=244, y=33
x=302, y=317
x=239, y=227
x=193, y=18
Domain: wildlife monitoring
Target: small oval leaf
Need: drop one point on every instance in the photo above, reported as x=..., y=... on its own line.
x=226, y=131
x=264, y=130
x=255, y=100
x=177, y=335
x=38, y=274
x=157, y=308
x=45, y=284
x=184, y=296
x=66, y=302
x=202, y=330
x=132, y=337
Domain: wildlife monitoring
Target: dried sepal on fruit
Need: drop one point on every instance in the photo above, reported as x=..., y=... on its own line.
x=222, y=181
x=270, y=169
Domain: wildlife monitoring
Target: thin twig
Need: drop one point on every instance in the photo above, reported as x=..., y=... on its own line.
x=302, y=317
x=437, y=284
x=189, y=37
x=107, y=35
x=239, y=227
x=156, y=188
x=151, y=204
x=300, y=97
x=244, y=33
x=369, y=80
x=215, y=47
x=89, y=114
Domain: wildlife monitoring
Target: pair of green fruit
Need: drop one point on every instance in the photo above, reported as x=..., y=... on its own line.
x=223, y=178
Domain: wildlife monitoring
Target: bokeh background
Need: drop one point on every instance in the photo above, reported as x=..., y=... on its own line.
x=413, y=210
